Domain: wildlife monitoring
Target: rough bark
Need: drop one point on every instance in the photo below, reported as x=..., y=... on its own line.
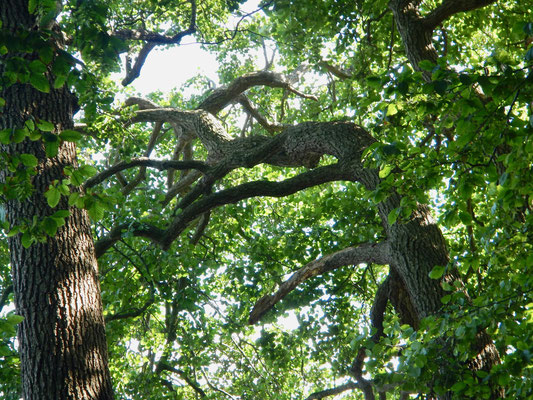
x=62, y=342
x=417, y=32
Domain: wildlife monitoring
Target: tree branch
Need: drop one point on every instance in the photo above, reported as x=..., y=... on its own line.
x=252, y=111
x=377, y=312
x=333, y=391
x=131, y=313
x=357, y=372
x=451, y=7
x=139, y=229
x=162, y=366
x=252, y=189
x=335, y=71
x=300, y=145
x=165, y=237
x=145, y=162
x=157, y=38
x=223, y=96
x=134, y=72
x=365, y=253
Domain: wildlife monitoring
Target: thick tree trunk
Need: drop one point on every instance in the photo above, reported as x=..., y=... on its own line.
x=62, y=341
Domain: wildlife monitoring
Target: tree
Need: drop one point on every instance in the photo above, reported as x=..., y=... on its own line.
x=427, y=109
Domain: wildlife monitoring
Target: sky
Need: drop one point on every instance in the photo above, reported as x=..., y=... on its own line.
x=169, y=68
x=166, y=69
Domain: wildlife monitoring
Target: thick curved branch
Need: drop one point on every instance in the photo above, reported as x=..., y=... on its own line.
x=451, y=7
x=145, y=162
x=300, y=145
x=417, y=37
x=366, y=253
x=247, y=190
x=134, y=72
x=333, y=391
x=165, y=237
x=377, y=312
x=223, y=96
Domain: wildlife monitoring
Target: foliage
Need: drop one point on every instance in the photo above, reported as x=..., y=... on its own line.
x=177, y=317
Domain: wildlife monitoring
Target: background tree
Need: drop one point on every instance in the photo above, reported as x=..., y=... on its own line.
x=225, y=207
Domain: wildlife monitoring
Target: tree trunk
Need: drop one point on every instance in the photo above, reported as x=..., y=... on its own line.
x=62, y=343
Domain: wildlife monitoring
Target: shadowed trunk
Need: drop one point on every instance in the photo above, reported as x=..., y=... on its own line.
x=62, y=341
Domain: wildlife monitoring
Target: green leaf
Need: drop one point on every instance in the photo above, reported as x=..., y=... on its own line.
x=19, y=135
x=391, y=149
x=385, y=171
x=88, y=170
x=96, y=211
x=5, y=136
x=393, y=215
x=26, y=239
x=60, y=81
x=52, y=196
x=465, y=218
x=70, y=135
x=403, y=87
x=37, y=67
x=49, y=225
x=459, y=386
x=32, y=6
x=437, y=272
x=446, y=299
x=35, y=135
x=61, y=214
x=40, y=82
x=392, y=110
x=73, y=198
x=460, y=331
x=426, y=65
x=29, y=124
x=14, y=319
x=29, y=160
x=51, y=148
x=45, y=126
x=374, y=82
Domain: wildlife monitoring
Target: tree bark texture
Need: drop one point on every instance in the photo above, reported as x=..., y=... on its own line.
x=62, y=342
